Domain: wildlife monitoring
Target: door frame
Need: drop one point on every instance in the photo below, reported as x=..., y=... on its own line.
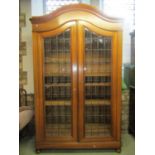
x=39, y=83
x=116, y=76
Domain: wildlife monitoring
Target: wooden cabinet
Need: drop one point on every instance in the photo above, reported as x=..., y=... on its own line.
x=77, y=76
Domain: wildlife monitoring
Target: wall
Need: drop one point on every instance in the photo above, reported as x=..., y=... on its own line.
x=125, y=10
x=26, y=39
x=22, y=52
x=37, y=7
x=125, y=111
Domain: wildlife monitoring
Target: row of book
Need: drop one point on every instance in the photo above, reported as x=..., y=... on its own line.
x=97, y=79
x=57, y=79
x=97, y=92
x=98, y=119
x=58, y=110
x=91, y=110
x=67, y=79
x=58, y=119
x=58, y=114
x=64, y=92
x=58, y=93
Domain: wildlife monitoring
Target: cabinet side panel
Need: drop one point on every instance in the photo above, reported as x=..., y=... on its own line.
x=119, y=83
x=36, y=87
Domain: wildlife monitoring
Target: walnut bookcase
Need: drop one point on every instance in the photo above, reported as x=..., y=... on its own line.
x=77, y=76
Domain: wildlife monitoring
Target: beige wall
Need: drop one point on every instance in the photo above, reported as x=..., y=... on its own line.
x=37, y=7
x=26, y=35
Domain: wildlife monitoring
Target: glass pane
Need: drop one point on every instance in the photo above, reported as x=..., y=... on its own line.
x=57, y=85
x=97, y=71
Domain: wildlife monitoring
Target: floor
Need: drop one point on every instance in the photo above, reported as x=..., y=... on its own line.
x=26, y=147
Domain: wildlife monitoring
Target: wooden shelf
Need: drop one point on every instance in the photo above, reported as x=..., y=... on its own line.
x=58, y=85
x=86, y=74
x=97, y=102
x=57, y=74
x=63, y=58
x=98, y=51
x=88, y=102
x=98, y=74
x=98, y=84
x=58, y=103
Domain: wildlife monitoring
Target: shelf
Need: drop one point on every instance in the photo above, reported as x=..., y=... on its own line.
x=57, y=74
x=58, y=85
x=68, y=73
x=89, y=102
x=58, y=103
x=91, y=61
x=97, y=102
x=102, y=63
x=57, y=68
x=97, y=74
x=61, y=58
x=96, y=50
x=51, y=51
x=96, y=68
x=55, y=62
x=98, y=84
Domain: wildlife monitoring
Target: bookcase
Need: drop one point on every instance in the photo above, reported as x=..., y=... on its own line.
x=77, y=79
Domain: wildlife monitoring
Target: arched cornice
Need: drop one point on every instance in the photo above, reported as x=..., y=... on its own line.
x=70, y=8
x=73, y=12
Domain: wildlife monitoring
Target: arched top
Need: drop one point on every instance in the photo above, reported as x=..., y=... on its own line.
x=75, y=12
x=70, y=8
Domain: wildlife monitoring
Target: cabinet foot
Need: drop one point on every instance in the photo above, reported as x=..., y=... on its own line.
x=118, y=150
x=37, y=151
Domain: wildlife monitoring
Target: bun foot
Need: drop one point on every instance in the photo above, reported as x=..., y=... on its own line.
x=37, y=151
x=118, y=150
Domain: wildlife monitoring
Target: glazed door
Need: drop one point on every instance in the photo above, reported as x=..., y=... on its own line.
x=58, y=84
x=97, y=90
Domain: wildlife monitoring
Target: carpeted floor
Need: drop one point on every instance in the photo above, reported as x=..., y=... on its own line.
x=26, y=147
